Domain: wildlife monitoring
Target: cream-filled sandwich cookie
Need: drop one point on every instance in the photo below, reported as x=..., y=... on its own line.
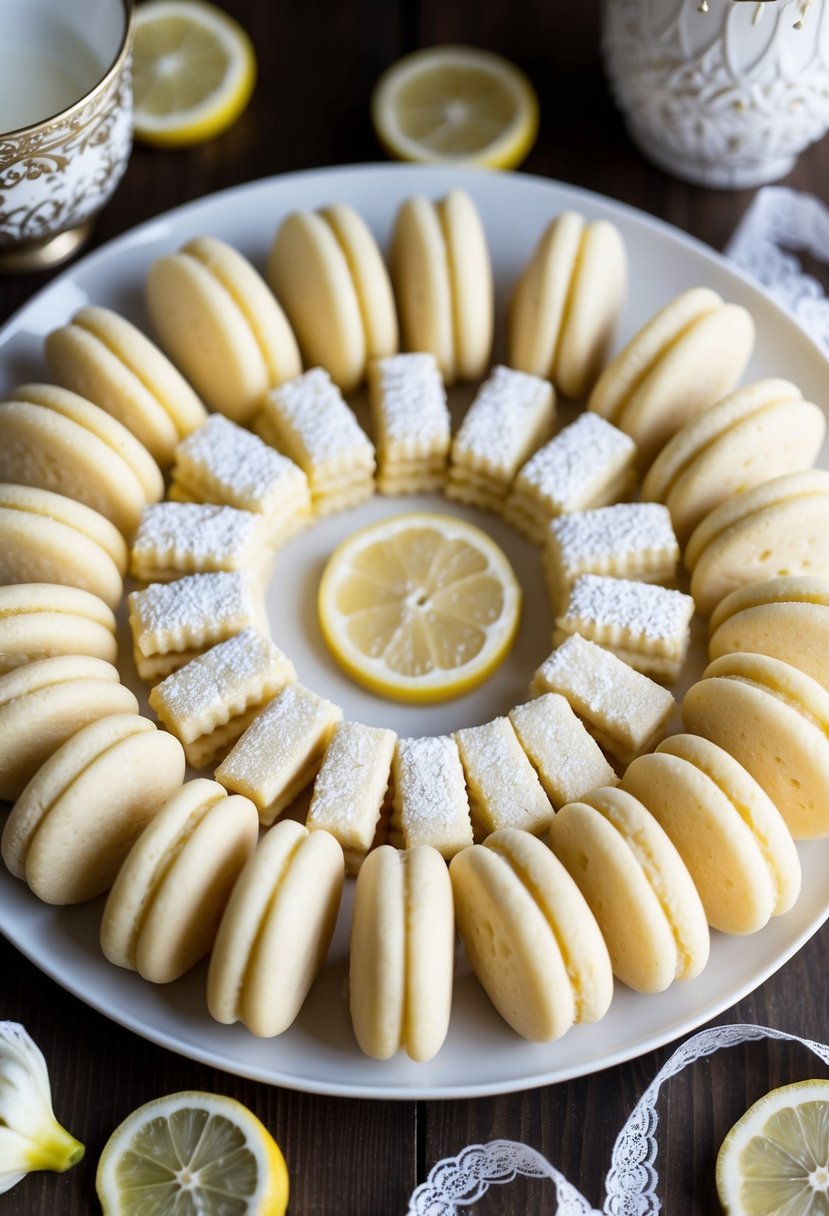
x=626, y=712
x=309, y=421
x=49, y=538
x=759, y=432
x=785, y=618
x=589, y=463
x=281, y=751
x=637, y=886
x=165, y=905
x=350, y=788
x=530, y=936
x=429, y=801
x=688, y=356
x=54, y=439
x=42, y=620
x=402, y=953
x=224, y=463
x=412, y=424
x=778, y=528
x=73, y=825
x=566, y=304
x=172, y=623
x=106, y=359
x=774, y=720
x=646, y=625
x=510, y=417
x=219, y=321
x=330, y=278
x=46, y=702
x=178, y=538
x=567, y=758
x=210, y=701
x=276, y=929
x=442, y=278
x=503, y=787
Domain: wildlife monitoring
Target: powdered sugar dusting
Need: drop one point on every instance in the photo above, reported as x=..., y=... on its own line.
x=235, y=463
x=509, y=411
x=351, y=784
x=598, y=684
x=430, y=790
x=608, y=533
x=643, y=609
x=412, y=401
x=314, y=408
x=589, y=450
x=197, y=603
x=198, y=532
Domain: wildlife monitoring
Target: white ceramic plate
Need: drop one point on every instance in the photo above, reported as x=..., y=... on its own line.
x=481, y=1055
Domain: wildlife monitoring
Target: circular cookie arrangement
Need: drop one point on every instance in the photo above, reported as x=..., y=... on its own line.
x=564, y=872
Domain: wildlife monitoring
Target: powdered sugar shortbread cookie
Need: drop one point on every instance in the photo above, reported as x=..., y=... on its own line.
x=39, y=620
x=565, y=305
x=411, y=421
x=689, y=355
x=530, y=936
x=177, y=538
x=429, y=804
x=637, y=887
x=106, y=359
x=503, y=787
x=165, y=905
x=329, y=275
x=402, y=953
x=276, y=929
x=567, y=758
x=219, y=321
x=350, y=788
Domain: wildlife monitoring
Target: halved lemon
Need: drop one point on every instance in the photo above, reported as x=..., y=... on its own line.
x=419, y=607
x=776, y=1157
x=456, y=105
x=192, y=1152
x=193, y=71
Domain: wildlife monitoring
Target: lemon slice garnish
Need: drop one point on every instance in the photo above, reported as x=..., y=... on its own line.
x=419, y=607
x=776, y=1158
x=193, y=71
x=192, y=1152
x=456, y=105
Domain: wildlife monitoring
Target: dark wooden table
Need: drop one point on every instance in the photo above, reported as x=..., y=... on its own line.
x=317, y=64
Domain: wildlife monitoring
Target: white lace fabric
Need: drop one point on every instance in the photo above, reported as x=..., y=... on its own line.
x=778, y=224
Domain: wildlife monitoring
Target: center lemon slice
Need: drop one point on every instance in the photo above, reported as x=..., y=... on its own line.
x=419, y=607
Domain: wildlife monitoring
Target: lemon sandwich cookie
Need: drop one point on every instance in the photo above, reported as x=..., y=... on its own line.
x=530, y=936
x=567, y=758
x=165, y=905
x=442, y=279
x=412, y=424
x=44, y=703
x=778, y=528
x=54, y=439
x=178, y=538
x=774, y=720
x=73, y=825
x=41, y=620
x=565, y=306
x=47, y=537
x=688, y=356
x=108, y=360
x=328, y=273
x=757, y=433
x=728, y=832
x=637, y=886
x=276, y=929
x=220, y=323
x=429, y=803
x=785, y=618
x=503, y=787
x=402, y=953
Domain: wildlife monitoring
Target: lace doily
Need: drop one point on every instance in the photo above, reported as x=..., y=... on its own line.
x=630, y=1186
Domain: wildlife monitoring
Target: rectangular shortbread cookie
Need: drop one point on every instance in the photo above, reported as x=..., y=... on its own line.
x=588, y=464
x=429, y=803
x=624, y=711
x=350, y=787
x=176, y=538
x=221, y=462
x=504, y=790
x=646, y=625
x=208, y=703
x=281, y=750
x=511, y=415
x=567, y=758
x=411, y=420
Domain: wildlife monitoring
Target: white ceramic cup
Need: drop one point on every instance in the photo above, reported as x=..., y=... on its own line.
x=65, y=122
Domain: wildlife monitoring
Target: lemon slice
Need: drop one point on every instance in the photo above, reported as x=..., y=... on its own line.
x=776, y=1158
x=419, y=607
x=192, y=1152
x=456, y=105
x=193, y=71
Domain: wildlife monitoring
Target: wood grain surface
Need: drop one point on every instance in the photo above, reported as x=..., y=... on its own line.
x=317, y=65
